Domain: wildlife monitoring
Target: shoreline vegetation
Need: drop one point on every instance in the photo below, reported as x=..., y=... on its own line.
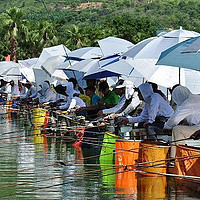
x=29, y=26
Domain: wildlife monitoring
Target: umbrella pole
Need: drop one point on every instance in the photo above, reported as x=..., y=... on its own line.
x=69, y=62
x=179, y=75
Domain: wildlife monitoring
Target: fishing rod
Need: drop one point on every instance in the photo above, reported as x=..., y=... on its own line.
x=194, y=178
x=138, y=165
x=94, y=177
x=53, y=178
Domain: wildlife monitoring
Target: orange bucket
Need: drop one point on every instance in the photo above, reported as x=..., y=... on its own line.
x=187, y=161
x=126, y=183
x=126, y=153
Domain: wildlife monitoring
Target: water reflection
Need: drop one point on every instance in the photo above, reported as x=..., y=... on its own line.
x=35, y=165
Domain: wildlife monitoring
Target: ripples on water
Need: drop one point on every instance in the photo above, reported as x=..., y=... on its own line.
x=28, y=171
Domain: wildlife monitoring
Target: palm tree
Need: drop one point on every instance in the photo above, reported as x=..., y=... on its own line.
x=38, y=36
x=76, y=38
x=13, y=25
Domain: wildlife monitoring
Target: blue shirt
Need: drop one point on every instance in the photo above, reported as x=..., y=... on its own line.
x=95, y=99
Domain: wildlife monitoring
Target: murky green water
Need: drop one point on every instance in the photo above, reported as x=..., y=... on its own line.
x=31, y=168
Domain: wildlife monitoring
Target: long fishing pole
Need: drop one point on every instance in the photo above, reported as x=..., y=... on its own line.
x=54, y=177
x=138, y=165
x=60, y=184
x=194, y=178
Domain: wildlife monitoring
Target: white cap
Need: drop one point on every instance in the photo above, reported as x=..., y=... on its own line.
x=129, y=91
x=24, y=81
x=125, y=84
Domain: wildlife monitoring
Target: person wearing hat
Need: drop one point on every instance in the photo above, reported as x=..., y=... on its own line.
x=45, y=94
x=14, y=89
x=131, y=101
x=156, y=111
x=22, y=88
x=73, y=100
x=185, y=122
x=31, y=93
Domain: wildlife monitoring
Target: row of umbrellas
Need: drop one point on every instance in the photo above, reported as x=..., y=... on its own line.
x=156, y=59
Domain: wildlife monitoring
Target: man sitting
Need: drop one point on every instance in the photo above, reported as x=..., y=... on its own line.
x=154, y=113
x=188, y=109
x=109, y=99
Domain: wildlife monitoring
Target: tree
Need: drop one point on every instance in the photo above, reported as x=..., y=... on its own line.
x=76, y=38
x=13, y=25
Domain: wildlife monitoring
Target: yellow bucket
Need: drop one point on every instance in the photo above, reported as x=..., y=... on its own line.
x=151, y=187
x=152, y=157
x=39, y=115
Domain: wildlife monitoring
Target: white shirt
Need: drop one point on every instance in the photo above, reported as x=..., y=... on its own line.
x=15, y=90
x=46, y=94
x=31, y=93
x=188, y=108
x=71, y=103
x=132, y=106
x=154, y=106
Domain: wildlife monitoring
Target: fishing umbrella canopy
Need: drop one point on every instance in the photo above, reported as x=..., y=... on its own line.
x=60, y=75
x=50, y=52
x=6, y=65
x=10, y=71
x=95, y=71
x=144, y=55
x=185, y=54
x=40, y=74
x=12, y=74
x=49, y=66
x=83, y=66
x=26, y=68
x=79, y=55
x=112, y=45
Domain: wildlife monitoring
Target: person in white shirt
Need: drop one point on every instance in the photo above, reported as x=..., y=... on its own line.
x=46, y=94
x=31, y=93
x=155, y=111
x=73, y=100
x=187, y=112
x=23, y=90
x=123, y=90
x=3, y=86
x=14, y=89
x=131, y=103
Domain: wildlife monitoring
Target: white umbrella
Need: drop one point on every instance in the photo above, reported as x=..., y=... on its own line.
x=83, y=66
x=59, y=50
x=6, y=65
x=47, y=53
x=60, y=75
x=80, y=55
x=113, y=45
x=86, y=53
x=26, y=68
x=144, y=55
x=95, y=71
x=10, y=71
x=49, y=66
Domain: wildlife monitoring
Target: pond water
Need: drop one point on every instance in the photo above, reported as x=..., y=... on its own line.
x=37, y=166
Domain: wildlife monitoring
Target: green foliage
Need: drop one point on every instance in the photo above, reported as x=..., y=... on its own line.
x=41, y=23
